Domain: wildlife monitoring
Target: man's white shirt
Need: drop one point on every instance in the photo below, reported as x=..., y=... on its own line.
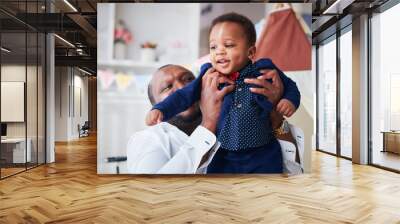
x=164, y=149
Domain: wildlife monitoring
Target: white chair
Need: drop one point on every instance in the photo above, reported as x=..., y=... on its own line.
x=290, y=166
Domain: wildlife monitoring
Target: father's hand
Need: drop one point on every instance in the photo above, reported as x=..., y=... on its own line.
x=211, y=97
x=273, y=91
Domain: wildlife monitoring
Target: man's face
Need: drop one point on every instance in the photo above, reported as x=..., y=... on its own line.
x=229, y=50
x=167, y=81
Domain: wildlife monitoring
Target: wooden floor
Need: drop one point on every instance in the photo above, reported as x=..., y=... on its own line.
x=70, y=191
x=387, y=159
x=10, y=171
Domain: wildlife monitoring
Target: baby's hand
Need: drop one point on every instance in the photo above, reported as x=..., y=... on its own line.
x=285, y=107
x=154, y=117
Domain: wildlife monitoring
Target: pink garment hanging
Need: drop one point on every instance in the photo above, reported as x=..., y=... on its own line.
x=283, y=40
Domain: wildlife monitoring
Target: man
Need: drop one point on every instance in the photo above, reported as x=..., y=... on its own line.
x=186, y=144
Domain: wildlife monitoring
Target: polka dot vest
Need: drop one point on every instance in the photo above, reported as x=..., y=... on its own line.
x=246, y=124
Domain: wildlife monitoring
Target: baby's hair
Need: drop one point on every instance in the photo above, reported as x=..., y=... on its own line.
x=243, y=21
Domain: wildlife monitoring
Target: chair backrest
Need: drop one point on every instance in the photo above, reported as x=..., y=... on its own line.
x=86, y=125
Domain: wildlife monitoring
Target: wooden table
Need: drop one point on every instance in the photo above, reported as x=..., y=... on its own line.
x=391, y=141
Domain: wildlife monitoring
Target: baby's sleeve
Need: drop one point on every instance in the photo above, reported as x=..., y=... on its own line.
x=183, y=98
x=291, y=92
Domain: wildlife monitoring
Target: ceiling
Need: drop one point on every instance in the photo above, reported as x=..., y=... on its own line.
x=332, y=15
x=77, y=25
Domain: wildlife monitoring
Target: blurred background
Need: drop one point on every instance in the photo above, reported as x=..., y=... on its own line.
x=135, y=39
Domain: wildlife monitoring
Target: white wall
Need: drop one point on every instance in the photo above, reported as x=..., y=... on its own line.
x=17, y=73
x=12, y=73
x=70, y=83
x=163, y=24
x=255, y=12
x=105, y=31
x=61, y=103
x=33, y=126
x=80, y=109
x=12, y=101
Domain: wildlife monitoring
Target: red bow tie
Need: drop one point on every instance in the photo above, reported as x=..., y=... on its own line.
x=234, y=76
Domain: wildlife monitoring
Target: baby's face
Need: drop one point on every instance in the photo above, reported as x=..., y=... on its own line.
x=229, y=50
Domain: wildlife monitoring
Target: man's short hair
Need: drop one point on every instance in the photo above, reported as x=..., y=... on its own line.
x=243, y=21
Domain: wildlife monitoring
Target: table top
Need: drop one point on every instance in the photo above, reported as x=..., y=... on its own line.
x=13, y=140
x=391, y=132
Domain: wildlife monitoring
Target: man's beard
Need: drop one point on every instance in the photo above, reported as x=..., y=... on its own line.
x=187, y=124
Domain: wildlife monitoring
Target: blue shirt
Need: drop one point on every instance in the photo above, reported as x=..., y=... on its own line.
x=244, y=121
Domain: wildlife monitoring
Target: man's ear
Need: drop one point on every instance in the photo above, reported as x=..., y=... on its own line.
x=252, y=52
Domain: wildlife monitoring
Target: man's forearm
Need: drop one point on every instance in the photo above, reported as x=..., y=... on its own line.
x=276, y=119
x=276, y=122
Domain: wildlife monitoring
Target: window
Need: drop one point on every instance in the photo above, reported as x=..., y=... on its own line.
x=385, y=89
x=346, y=94
x=327, y=97
x=22, y=73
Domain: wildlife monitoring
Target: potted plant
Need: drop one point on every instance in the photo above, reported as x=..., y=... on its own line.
x=122, y=37
x=148, y=51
